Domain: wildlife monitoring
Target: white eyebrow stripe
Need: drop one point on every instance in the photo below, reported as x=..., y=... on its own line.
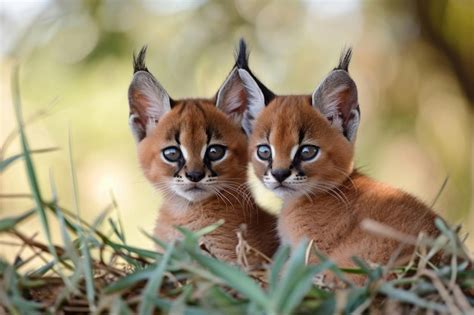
x=293, y=151
x=273, y=151
x=203, y=151
x=185, y=152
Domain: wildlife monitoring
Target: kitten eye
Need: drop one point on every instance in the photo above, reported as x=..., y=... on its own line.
x=264, y=152
x=172, y=154
x=308, y=152
x=215, y=152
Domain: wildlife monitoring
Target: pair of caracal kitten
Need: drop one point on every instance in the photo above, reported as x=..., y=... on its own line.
x=196, y=151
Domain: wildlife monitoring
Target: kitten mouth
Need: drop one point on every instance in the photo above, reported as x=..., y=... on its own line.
x=283, y=191
x=282, y=187
x=194, y=189
x=193, y=192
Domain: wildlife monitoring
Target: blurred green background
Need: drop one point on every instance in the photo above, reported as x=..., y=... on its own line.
x=413, y=64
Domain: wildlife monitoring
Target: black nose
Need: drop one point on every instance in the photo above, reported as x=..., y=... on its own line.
x=195, y=176
x=281, y=174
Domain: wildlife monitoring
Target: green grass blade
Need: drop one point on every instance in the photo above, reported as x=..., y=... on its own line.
x=440, y=191
x=295, y=267
x=41, y=271
x=101, y=218
x=147, y=306
x=192, y=237
x=86, y=260
x=166, y=306
x=11, y=295
x=338, y=272
x=119, y=307
x=154, y=239
x=234, y=278
x=179, y=304
x=129, y=280
x=410, y=297
x=222, y=300
x=299, y=290
x=296, y=281
x=116, y=230
x=4, y=164
x=278, y=262
x=119, y=217
x=86, y=263
x=209, y=229
x=10, y=222
x=144, y=253
x=30, y=169
x=68, y=246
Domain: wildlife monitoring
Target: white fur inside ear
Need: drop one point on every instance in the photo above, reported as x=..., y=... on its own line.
x=228, y=97
x=329, y=106
x=135, y=128
x=159, y=103
x=255, y=96
x=255, y=100
x=353, y=125
x=152, y=101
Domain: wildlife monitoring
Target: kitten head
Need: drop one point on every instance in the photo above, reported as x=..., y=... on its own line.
x=302, y=145
x=190, y=148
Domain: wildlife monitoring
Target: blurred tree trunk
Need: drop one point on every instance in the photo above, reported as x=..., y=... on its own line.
x=449, y=27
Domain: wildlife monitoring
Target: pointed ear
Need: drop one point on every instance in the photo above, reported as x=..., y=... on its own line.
x=241, y=98
x=336, y=98
x=148, y=100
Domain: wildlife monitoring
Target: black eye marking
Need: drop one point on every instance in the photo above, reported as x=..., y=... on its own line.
x=264, y=152
x=209, y=133
x=301, y=134
x=215, y=152
x=307, y=152
x=172, y=154
x=176, y=137
x=213, y=156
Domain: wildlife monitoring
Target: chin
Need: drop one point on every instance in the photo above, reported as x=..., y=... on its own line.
x=194, y=195
x=284, y=193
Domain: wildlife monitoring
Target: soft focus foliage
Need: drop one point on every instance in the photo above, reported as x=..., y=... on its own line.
x=75, y=59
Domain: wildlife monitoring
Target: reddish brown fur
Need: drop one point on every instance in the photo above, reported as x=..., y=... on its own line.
x=332, y=216
x=191, y=119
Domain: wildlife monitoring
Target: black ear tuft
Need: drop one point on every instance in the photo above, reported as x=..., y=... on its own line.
x=139, y=61
x=148, y=101
x=336, y=98
x=242, y=55
x=242, y=62
x=344, y=60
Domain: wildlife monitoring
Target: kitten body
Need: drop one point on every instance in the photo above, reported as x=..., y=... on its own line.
x=195, y=153
x=302, y=148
